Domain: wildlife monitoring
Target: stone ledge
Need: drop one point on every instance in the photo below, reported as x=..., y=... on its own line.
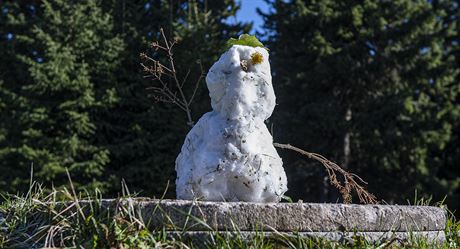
x=432, y=237
x=287, y=217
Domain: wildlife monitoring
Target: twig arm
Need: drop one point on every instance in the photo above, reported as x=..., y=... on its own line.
x=349, y=183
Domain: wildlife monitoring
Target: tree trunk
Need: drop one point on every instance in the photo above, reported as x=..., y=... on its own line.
x=346, y=140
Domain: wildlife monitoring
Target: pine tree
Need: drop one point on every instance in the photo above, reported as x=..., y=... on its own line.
x=71, y=52
x=445, y=160
x=16, y=18
x=369, y=85
x=78, y=99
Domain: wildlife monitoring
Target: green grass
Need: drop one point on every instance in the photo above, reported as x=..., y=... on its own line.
x=40, y=219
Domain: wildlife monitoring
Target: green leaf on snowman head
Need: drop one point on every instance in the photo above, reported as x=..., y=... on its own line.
x=245, y=40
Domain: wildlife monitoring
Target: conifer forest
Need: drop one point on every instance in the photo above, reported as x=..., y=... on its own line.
x=372, y=85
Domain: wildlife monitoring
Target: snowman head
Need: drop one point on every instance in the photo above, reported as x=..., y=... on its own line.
x=240, y=84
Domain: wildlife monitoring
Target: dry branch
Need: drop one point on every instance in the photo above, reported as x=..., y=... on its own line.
x=168, y=87
x=351, y=181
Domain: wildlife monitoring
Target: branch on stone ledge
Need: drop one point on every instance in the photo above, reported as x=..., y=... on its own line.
x=168, y=87
x=351, y=181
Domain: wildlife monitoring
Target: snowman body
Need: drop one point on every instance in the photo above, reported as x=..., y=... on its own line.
x=229, y=155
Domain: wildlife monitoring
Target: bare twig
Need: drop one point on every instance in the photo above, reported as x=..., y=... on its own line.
x=197, y=82
x=171, y=91
x=351, y=181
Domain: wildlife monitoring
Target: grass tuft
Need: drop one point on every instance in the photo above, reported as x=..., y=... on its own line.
x=64, y=218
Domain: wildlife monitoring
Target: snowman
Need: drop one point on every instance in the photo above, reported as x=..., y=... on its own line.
x=229, y=154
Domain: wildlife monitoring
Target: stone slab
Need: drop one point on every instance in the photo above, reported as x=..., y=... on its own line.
x=285, y=217
x=202, y=237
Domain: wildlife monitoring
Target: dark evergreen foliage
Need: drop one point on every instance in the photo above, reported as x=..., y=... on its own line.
x=69, y=56
x=371, y=84
x=144, y=136
x=76, y=97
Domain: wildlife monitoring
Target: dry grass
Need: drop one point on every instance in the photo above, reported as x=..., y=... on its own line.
x=63, y=218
